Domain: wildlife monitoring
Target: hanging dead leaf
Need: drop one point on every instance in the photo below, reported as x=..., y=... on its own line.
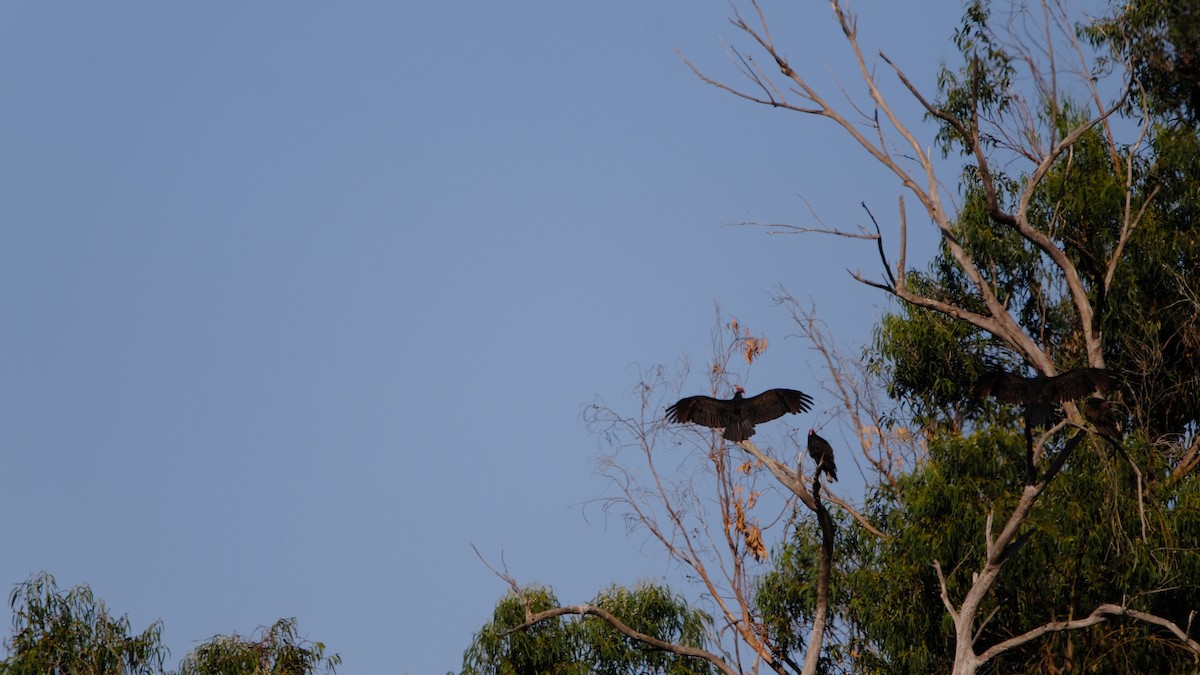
x=754, y=543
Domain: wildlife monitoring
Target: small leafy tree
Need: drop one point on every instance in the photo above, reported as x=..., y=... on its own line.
x=520, y=639
x=276, y=650
x=72, y=633
x=548, y=647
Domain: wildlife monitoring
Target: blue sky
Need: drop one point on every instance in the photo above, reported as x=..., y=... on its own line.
x=303, y=299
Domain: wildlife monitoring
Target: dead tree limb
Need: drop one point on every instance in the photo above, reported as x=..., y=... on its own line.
x=592, y=610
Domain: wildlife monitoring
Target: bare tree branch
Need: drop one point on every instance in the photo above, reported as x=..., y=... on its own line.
x=784, y=228
x=824, y=567
x=512, y=583
x=592, y=610
x=782, y=473
x=945, y=593
x=879, y=241
x=1098, y=615
x=532, y=619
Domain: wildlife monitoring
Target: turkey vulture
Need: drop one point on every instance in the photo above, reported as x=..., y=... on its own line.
x=1102, y=416
x=1040, y=395
x=739, y=415
x=822, y=453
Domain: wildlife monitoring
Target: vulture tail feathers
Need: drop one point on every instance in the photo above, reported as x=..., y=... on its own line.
x=739, y=431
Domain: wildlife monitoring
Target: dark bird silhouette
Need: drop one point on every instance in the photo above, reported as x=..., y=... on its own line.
x=1100, y=413
x=822, y=453
x=1040, y=397
x=1041, y=394
x=739, y=415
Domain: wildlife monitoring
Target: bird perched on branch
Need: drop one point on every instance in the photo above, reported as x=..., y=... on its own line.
x=822, y=453
x=1100, y=413
x=739, y=414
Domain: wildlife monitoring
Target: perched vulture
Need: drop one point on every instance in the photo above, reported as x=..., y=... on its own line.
x=1040, y=395
x=822, y=453
x=739, y=415
x=1101, y=415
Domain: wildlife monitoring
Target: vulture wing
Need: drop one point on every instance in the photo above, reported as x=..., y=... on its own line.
x=1041, y=395
x=711, y=412
x=1075, y=384
x=774, y=403
x=1006, y=387
x=1041, y=390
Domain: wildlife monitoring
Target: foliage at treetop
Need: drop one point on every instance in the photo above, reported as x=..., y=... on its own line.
x=584, y=646
x=1086, y=544
x=1161, y=40
x=71, y=632
x=1100, y=532
x=1148, y=305
x=278, y=650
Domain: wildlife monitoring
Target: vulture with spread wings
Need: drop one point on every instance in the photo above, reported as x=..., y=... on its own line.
x=739, y=414
x=1040, y=397
x=1041, y=394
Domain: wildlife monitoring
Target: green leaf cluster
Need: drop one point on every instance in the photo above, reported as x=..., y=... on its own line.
x=1083, y=546
x=1161, y=39
x=1148, y=313
x=786, y=596
x=277, y=650
x=70, y=632
x=567, y=646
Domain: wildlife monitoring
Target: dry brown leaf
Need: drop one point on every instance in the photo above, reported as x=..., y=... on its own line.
x=755, y=543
